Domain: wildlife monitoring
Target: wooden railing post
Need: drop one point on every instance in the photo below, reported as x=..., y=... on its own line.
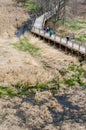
x=60, y=41
x=73, y=43
x=79, y=50
x=39, y=30
x=54, y=39
x=34, y=28
x=39, y=33
x=72, y=46
x=85, y=54
x=79, y=47
x=66, y=46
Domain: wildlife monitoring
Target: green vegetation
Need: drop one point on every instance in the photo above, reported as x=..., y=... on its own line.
x=72, y=76
x=75, y=24
x=7, y=91
x=11, y=92
x=24, y=45
x=15, y=91
x=78, y=26
x=75, y=27
x=81, y=38
x=31, y=6
x=76, y=77
x=81, y=22
x=41, y=86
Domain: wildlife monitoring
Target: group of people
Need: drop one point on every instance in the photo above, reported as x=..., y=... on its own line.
x=48, y=30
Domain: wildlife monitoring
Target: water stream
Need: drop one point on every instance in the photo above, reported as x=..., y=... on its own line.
x=26, y=27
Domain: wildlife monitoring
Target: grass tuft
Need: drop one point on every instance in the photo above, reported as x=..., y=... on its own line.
x=24, y=45
x=31, y=6
x=81, y=38
x=74, y=27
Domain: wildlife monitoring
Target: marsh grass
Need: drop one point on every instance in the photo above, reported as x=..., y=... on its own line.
x=81, y=38
x=76, y=77
x=41, y=86
x=11, y=92
x=72, y=77
x=31, y=6
x=75, y=27
x=81, y=22
x=26, y=46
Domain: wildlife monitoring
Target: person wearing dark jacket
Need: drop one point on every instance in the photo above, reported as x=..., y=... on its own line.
x=67, y=39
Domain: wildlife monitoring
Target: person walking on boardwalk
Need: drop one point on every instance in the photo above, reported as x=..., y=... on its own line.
x=51, y=32
x=67, y=39
x=46, y=29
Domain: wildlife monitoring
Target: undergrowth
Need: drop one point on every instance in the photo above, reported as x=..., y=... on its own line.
x=73, y=76
x=31, y=6
x=25, y=45
x=81, y=38
x=75, y=27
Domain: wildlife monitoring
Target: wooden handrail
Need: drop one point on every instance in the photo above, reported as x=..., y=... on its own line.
x=55, y=40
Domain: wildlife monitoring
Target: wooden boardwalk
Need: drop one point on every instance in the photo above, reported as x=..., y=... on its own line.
x=37, y=29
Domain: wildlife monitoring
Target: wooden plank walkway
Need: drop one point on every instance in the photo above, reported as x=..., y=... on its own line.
x=38, y=30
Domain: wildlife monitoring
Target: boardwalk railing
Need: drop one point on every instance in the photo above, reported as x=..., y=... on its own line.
x=59, y=40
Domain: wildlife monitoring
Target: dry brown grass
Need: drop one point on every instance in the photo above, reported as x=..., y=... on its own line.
x=11, y=17
x=21, y=67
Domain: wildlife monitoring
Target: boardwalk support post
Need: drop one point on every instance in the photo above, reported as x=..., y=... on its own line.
x=60, y=42
x=54, y=40
x=72, y=47
x=79, y=50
